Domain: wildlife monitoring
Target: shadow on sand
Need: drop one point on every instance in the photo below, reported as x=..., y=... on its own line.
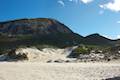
x=114, y=78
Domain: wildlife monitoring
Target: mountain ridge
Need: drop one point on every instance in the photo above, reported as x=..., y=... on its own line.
x=37, y=31
x=52, y=20
x=40, y=31
x=28, y=26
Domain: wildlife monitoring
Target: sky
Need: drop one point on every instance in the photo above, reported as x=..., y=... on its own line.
x=82, y=16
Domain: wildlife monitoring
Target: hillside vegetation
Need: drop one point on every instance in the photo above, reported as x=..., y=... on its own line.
x=50, y=32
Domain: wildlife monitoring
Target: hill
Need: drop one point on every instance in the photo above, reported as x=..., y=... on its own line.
x=97, y=39
x=36, y=32
x=45, y=31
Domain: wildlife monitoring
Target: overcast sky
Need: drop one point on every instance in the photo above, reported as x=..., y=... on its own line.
x=82, y=16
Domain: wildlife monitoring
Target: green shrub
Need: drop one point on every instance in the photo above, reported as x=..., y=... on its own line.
x=78, y=51
x=81, y=50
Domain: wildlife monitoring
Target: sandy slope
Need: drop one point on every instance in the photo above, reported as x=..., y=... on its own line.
x=58, y=71
x=35, y=55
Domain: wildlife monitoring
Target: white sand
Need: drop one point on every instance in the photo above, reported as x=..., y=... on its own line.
x=36, y=67
x=58, y=71
x=46, y=54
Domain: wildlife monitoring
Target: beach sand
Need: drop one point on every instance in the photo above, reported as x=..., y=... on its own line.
x=58, y=71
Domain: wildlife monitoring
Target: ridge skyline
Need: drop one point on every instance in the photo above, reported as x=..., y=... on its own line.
x=84, y=35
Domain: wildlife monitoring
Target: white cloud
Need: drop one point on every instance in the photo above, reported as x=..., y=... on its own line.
x=118, y=22
x=61, y=2
x=114, y=5
x=86, y=1
x=76, y=1
x=83, y=1
x=108, y=36
x=118, y=36
x=112, y=36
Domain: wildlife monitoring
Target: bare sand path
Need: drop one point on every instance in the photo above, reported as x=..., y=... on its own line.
x=58, y=71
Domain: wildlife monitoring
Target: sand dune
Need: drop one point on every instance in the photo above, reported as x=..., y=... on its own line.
x=58, y=71
x=44, y=55
x=35, y=55
x=36, y=68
